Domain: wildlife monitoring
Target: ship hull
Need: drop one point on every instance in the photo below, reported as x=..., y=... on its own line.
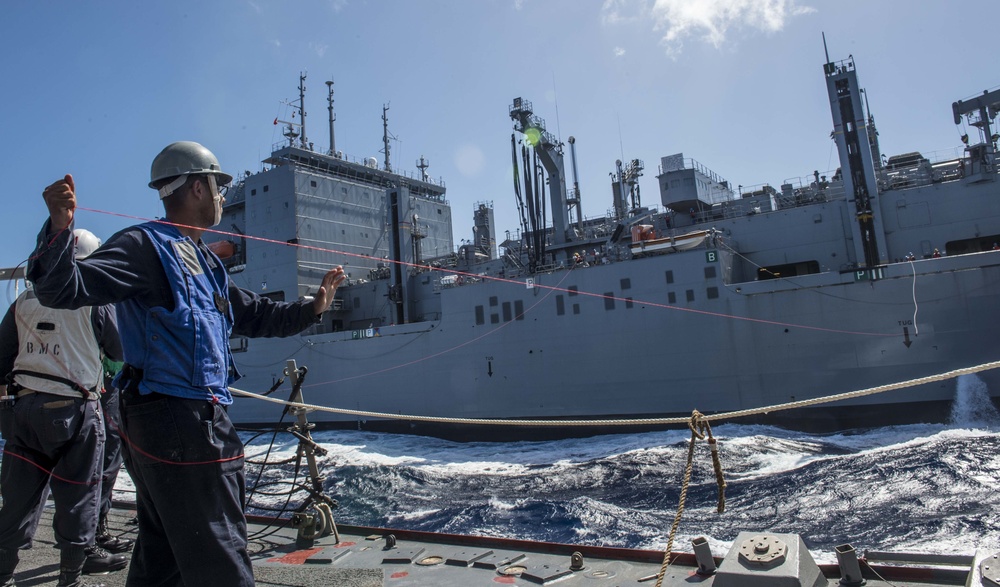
x=630, y=354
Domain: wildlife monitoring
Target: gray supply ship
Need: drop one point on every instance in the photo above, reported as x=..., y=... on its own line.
x=717, y=300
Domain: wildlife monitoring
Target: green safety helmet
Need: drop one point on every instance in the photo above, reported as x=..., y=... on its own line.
x=84, y=243
x=179, y=160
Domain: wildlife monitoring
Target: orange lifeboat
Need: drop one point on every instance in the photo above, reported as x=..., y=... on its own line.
x=223, y=249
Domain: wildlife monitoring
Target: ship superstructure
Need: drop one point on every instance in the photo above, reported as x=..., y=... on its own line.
x=717, y=300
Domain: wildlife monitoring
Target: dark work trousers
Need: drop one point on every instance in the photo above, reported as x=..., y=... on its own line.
x=192, y=529
x=54, y=438
x=112, y=447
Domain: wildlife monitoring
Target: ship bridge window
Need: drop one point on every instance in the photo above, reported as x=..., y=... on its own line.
x=480, y=316
x=626, y=283
x=573, y=290
x=312, y=183
x=788, y=270
x=609, y=300
x=710, y=272
x=518, y=310
x=690, y=295
x=560, y=306
x=671, y=298
x=712, y=293
x=265, y=188
x=507, y=316
x=628, y=303
x=253, y=192
x=670, y=276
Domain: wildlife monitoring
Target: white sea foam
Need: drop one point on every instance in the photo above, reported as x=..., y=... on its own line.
x=920, y=488
x=972, y=406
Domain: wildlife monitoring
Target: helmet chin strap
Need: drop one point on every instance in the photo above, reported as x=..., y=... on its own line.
x=172, y=186
x=213, y=186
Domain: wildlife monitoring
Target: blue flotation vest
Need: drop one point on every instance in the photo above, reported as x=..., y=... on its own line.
x=183, y=352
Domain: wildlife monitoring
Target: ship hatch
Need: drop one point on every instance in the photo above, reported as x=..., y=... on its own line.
x=788, y=270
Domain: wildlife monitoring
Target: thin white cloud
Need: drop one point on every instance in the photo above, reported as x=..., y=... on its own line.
x=702, y=20
x=711, y=20
x=518, y=4
x=318, y=48
x=338, y=5
x=619, y=52
x=622, y=11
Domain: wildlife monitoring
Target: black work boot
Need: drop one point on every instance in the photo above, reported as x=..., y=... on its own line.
x=71, y=562
x=98, y=561
x=8, y=562
x=109, y=542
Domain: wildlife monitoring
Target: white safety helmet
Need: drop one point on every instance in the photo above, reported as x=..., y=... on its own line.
x=179, y=160
x=84, y=243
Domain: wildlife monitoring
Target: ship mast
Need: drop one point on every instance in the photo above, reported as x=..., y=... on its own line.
x=302, y=110
x=332, y=117
x=422, y=165
x=385, y=135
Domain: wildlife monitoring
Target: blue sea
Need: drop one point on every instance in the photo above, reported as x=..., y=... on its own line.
x=916, y=488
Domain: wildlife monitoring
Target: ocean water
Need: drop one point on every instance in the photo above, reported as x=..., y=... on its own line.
x=918, y=488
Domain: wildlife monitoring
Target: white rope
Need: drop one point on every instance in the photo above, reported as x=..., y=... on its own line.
x=916, y=329
x=633, y=421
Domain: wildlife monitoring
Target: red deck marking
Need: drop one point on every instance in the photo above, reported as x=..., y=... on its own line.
x=399, y=575
x=508, y=580
x=295, y=558
x=344, y=544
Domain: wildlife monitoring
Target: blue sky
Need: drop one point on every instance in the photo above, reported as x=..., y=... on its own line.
x=96, y=89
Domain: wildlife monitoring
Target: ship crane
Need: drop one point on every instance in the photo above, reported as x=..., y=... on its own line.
x=983, y=155
x=854, y=144
x=550, y=154
x=625, y=187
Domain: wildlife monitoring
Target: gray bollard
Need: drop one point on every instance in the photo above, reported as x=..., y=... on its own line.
x=850, y=570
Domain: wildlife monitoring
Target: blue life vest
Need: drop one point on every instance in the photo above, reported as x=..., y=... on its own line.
x=184, y=352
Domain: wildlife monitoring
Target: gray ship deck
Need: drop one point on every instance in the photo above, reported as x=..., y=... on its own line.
x=361, y=559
